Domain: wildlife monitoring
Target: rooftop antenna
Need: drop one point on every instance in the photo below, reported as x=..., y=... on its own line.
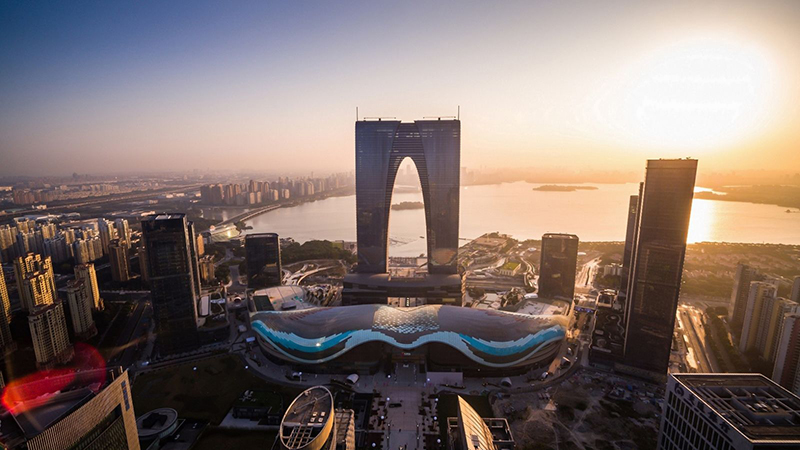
x=458, y=115
x=356, y=113
x=379, y=118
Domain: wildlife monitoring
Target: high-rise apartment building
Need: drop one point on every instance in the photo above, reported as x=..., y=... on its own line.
x=90, y=409
x=263, y=260
x=559, y=261
x=728, y=412
x=118, y=254
x=207, y=268
x=87, y=273
x=36, y=290
x=434, y=146
x=795, y=296
x=6, y=342
x=31, y=263
x=107, y=233
x=123, y=230
x=50, y=337
x=172, y=280
x=786, y=370
x=763, y=319
x=657, y=266
x=741, y=291
x=80, y=305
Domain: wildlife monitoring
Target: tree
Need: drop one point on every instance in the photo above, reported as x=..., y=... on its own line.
x=222, y=273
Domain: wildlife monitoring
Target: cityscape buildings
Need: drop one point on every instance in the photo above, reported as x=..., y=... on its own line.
x=49, y=332
x=172, y=275
x=263, y=260
x=630, y=238
x=6, y=340
x=35, y=281
x=728, y=412
x=312, y=423
x=559, y=261
x=657, y=265
x=434, y=146
x=763, y=319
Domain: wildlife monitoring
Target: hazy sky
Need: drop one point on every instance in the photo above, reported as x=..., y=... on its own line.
x=274, y=85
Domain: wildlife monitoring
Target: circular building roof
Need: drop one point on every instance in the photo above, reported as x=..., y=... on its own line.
x=157, y=423
x=308, y=421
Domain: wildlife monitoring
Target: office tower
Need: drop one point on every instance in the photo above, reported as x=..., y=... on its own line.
x=469, y=431
x=263, y=260
x=142, y=256
x=559, y=261
x=49, y=332
x=194, y=255
x=312, y=423
x=763, y=319
x=87, y=273
x=654, y=284
x=90, y=409
x=741, y=291
x=80, y=309
x=434, y=146
x=786, y=370
x=123, y=230
x=118, y=258
x=172, y=281
x=5, y=316
x=630, y=237
x=795, y=297
x=728, y=412
x=30, y=264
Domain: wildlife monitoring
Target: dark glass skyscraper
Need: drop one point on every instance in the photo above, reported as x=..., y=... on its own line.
x=630, y=237
x=263, y=259
x=741, y=291
x=665, y=206
x=172, y=281
x=434, y=146
x=558, y=264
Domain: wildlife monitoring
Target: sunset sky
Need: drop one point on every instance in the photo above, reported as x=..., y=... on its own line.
x=258, y=86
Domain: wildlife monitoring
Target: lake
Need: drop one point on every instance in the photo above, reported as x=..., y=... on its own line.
x=518, y=210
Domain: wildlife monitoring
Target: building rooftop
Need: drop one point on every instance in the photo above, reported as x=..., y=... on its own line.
x=756, y=406
x=163, y=216
x=308, y=418
x=156, y=422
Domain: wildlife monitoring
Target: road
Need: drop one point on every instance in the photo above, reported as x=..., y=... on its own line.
x=694, y=330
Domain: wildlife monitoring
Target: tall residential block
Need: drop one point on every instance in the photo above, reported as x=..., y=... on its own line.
x=30, y=265
x=786, y=370
x=763, y=320
x=655, y=279
x=741, y=291
x=49, y=333
x=730, y=411
x=123, y=230
x=172, y=277
x=37, y=290
x=263, y=260
x=80, y=305
x=6, y=342
x=795, y=297
x=559, y=262
x=87, y=273
x=118, y=257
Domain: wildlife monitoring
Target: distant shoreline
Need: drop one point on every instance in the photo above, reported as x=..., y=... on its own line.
x=407, y=205
x=561, y=188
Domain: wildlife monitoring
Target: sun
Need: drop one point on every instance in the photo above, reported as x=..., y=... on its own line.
x=697, y=95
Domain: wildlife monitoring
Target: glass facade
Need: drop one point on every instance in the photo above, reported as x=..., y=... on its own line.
x=172, y=281
x=263, y=259
x=663, y=224
x=558, y=265
x=435, y=148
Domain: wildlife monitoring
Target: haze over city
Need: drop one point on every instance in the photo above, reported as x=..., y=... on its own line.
x=267, y=86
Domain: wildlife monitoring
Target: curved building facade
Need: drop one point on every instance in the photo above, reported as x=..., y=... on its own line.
x=434, y=146
x=355, y=334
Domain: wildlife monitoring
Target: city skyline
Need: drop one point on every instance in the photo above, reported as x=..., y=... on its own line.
x=208, y=87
